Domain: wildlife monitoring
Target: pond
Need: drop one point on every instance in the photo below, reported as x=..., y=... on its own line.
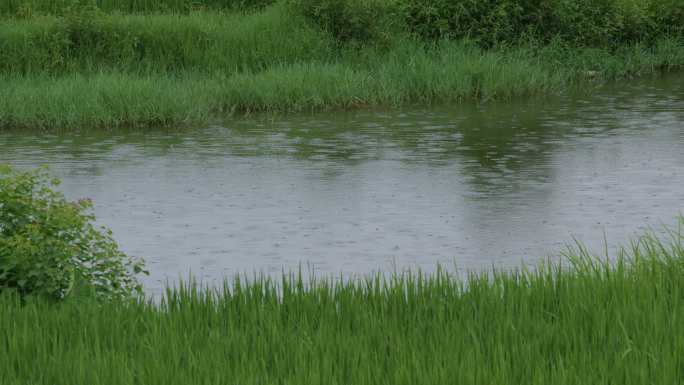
x=349, y=193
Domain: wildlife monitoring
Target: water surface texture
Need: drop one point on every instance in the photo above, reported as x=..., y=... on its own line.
x=347, y=193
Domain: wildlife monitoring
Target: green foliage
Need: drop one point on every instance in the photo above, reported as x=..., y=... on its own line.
x=87, y=40
x=23, y=8
x=584, y=23
x=487, y=21
x=588, y=23
x=410, y=72
x=358, y=21
x=668, y=16
x=582, y=321
x=85, y=67
x=48, y=245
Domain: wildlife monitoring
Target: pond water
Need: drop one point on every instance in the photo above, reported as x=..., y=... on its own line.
x=351, y=193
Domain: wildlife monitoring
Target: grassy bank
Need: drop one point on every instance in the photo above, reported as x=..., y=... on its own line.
x=453, y=72
x=587, y=322
x=64, y=65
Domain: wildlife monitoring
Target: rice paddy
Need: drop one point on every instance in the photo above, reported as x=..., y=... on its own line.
x=581, y=320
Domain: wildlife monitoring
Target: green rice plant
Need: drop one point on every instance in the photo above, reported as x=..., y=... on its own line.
x=578, y=319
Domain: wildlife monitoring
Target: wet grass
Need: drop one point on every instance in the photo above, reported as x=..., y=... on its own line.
x=111, y=99
x=410, y=73
x=583, y=321
x=206, y=42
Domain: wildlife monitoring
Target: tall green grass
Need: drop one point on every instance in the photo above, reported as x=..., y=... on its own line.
x=583, y=321
x=200, y=41
x=410, y=73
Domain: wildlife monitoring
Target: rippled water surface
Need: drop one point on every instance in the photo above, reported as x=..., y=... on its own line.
x=491, y=184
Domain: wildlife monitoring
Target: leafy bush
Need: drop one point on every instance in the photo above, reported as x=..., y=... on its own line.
x=668, y=16
x=581, y=22
x=359, y=21
x=587, y=23
x=488, y=21
x=49, y=245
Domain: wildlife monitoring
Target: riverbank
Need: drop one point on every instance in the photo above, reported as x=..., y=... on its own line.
x=583, y=321
x=84, y=67
x=454, y=72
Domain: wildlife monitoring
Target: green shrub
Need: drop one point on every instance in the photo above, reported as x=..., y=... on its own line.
x=668, y=16
x=587, y=23
x=581, y=22
x=358, y=21
x=487, y=21
x=612, y=23
x=49, y=245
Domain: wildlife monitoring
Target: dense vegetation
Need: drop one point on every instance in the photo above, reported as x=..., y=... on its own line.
x=49, y=247
x=66, y=63
x=581, y=322
x=492, y=22
x=588, y=22
x=30, y=7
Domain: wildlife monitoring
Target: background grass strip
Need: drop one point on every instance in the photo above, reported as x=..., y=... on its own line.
x=450, y=72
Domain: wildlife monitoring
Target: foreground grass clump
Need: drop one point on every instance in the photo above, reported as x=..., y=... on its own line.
x=584, y=321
